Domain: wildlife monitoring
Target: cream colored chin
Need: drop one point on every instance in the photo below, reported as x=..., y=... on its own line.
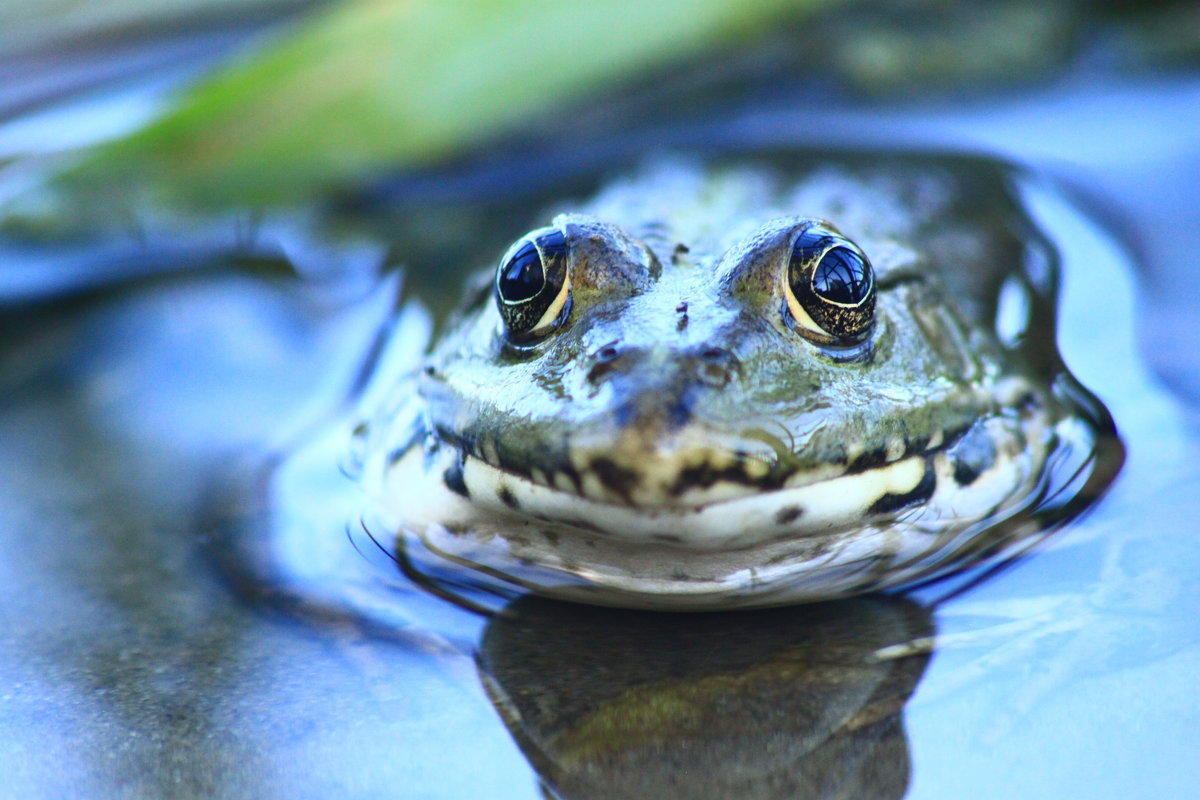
x=793, y=544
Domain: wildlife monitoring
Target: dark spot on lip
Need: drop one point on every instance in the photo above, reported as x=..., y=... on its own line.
x=973, y=455
x=915, y=444
x=921, y=493
x=965, y=473
x=788, y=515
x=506, y=497
x=618, y=479
x=453, y=477
x=668, y=538
x=868, y=460
x=705, y=475
x=572, y=476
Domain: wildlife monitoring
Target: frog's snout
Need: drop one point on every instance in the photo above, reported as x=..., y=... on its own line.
x=659, y=385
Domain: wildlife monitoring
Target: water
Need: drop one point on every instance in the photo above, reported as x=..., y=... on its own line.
x=793, y=703
x=144, y=656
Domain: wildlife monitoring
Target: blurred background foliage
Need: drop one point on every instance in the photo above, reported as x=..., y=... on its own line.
x=27, y=24
x=327, y=94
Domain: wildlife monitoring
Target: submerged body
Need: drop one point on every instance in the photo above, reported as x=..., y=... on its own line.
x=734, y=385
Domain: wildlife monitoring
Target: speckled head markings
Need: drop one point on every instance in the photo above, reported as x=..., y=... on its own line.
x=725, y=386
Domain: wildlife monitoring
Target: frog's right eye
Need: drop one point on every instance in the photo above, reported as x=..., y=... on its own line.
x=533, y=285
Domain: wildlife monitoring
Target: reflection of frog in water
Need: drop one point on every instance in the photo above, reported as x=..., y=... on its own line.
x=682, y=395
x=783, y=703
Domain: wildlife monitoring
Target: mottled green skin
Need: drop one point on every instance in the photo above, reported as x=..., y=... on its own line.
x=930, y=369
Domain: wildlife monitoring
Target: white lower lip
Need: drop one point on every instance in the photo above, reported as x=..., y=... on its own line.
x=743, y=551
x=723, y=516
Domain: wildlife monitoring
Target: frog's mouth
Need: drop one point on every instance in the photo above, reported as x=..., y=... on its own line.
x=626, y=471
x=712, y=499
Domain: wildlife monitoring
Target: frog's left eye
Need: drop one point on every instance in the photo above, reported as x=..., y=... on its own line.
x=830, y=288
x=533, y=285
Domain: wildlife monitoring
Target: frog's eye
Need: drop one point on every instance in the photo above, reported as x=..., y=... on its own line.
x=533, y=285
x=830, y=288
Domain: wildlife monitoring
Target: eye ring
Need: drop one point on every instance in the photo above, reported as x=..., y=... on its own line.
x=829, y=288
x=533, y=285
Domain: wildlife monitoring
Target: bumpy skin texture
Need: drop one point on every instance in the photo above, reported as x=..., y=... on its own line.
x=677, y=440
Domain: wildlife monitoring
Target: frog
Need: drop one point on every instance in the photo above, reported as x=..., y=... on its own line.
x=729, y=384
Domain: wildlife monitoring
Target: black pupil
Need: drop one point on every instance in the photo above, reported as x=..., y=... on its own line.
x=523, y=277
x=841, y=277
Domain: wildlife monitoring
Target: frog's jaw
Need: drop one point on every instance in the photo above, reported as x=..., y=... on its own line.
x=846, y=534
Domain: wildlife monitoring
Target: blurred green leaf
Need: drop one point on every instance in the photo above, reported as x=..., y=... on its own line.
x=373, y=84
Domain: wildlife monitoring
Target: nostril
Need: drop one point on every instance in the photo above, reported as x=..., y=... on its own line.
x=605, y=360
x=716, y=365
